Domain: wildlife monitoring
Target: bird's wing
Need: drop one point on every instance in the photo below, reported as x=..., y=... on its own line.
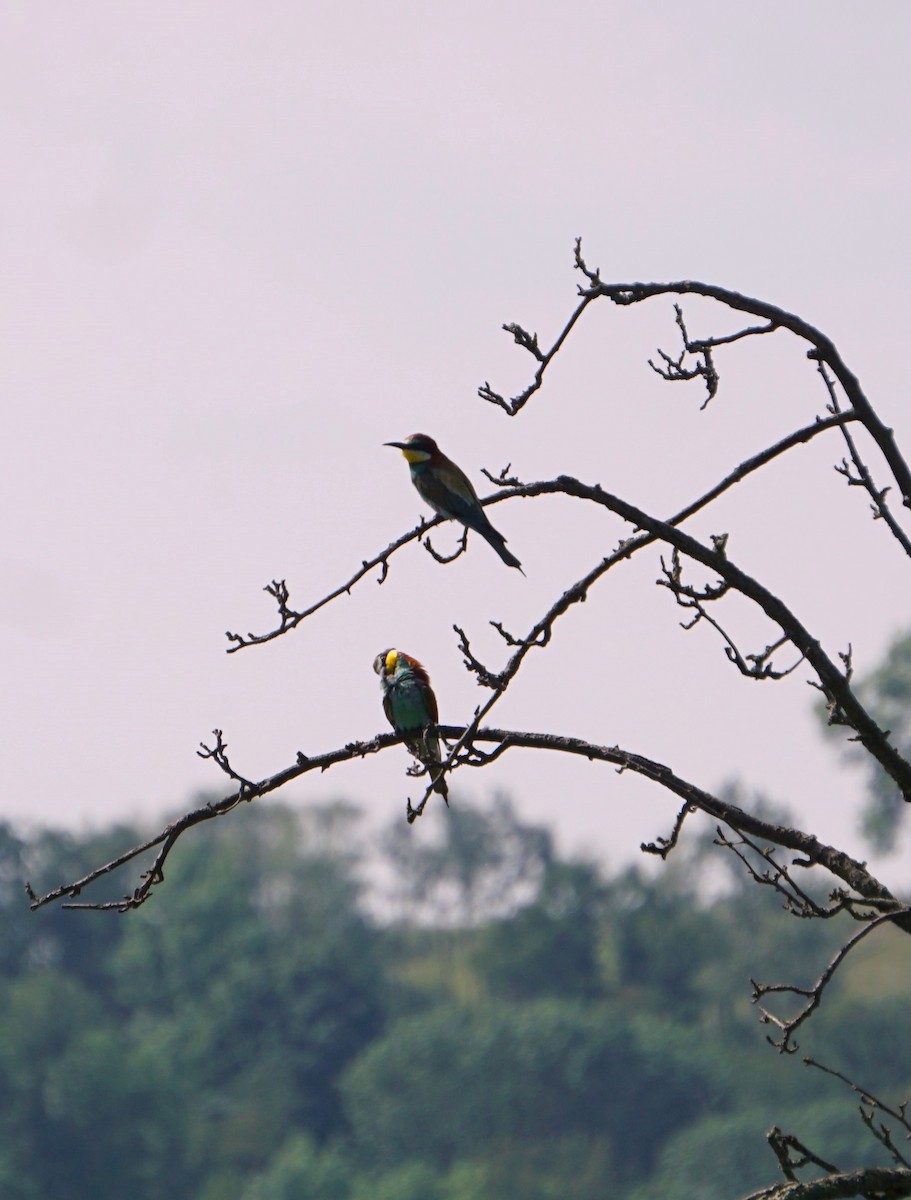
x=457, y=481
x=448, y=490
x=430, y=700
x=422, y=680
x=387, y=707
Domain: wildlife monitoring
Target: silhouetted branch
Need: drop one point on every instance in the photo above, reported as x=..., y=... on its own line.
x=540, y=633
x=754, y=666
x=218, y=754
x=854, y=874
x=663, y=846
x=461, y=547
x=861, y=476
x=503, y=478
x=834, y=683
x=290, y=618
x=486, y=677
x=530, y=343
x=674, y=370
x=749, y=465
x=170, y=834
x=822, y=351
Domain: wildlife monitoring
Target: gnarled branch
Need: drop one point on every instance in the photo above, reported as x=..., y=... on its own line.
x=854, y=874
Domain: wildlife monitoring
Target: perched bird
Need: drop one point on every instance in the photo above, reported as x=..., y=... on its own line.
x=448, y=490
x=411, y=708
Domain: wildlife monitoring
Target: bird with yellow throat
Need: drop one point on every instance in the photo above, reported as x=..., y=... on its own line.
x=448, y=491
x=411, y=709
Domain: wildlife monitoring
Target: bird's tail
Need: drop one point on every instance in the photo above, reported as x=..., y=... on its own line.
x=425, y=746
x=439, y=784
x=498, y=541
x=431, y=757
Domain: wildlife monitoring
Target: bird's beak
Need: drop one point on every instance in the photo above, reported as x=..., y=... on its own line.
x=397, y=445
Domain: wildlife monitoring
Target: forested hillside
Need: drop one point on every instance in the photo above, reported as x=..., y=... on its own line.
x=499, y=1023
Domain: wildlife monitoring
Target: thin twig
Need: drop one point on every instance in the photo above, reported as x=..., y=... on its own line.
x=812, y=995
x=882, y=1134
x=663, y=846
x=863, y=478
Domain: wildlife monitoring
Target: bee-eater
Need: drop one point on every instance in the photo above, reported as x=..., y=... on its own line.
x=448, y=490
x=411, y=708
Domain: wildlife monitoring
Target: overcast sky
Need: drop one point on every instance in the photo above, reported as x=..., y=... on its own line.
x=244, y=245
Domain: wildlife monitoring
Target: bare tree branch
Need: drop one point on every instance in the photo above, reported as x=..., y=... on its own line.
x=762, y=846
x=290, y=618
x=861, y=476
x=749, y=465
x=813, y=995
x=854, y=874
x=822, y=351
x=777, y=876
x=663, y=846
x=530, y=342
x=869, y=1104
x=785, y=1146
x=219, y=755
x=876, y=1183
x=754, y=666
x=835, y=683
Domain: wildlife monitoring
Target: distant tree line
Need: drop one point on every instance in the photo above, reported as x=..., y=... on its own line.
x=532, y=1032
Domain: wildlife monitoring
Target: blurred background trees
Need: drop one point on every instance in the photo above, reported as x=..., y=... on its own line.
x=499, y=1021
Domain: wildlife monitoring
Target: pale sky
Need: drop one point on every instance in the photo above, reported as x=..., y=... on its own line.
x=244, y=245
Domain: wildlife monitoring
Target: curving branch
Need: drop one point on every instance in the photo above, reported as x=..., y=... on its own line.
x=290, y=618
x=540, y=634
x=822, y=350
x=167, y=839
x=662, y=846
x=854, y=874
x=844, y=705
